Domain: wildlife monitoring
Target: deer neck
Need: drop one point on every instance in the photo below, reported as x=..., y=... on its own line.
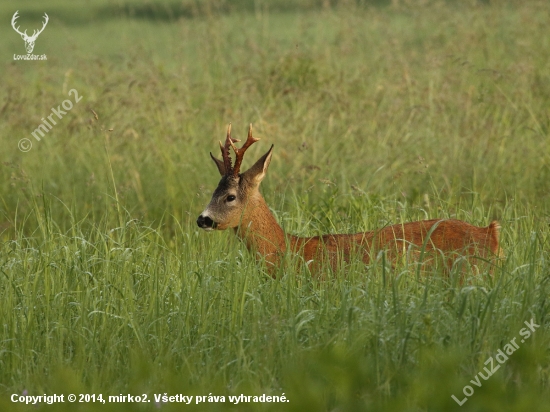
x=259, y=229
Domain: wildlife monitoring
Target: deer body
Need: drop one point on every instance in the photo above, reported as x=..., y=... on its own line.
x=237, y=203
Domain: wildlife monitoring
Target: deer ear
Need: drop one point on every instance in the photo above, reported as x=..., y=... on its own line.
x=257, y=172
x=219, y=164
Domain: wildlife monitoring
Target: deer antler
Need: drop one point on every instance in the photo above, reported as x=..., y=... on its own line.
x=13, y=21
x=239, y=153
x=225, y=150
x=35, y=32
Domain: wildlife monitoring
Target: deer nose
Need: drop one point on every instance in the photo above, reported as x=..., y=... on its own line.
x=205, y=222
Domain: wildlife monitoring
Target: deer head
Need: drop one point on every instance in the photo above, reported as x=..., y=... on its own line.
x=29, y=40
x=236, y=191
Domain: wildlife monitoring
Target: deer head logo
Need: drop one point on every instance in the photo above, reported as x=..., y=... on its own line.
x=29, y=40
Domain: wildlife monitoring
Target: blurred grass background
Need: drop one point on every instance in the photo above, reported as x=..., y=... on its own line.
x=380, y=112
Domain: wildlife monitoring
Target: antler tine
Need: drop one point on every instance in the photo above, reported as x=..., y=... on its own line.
x=225, y=150
x=239, y=153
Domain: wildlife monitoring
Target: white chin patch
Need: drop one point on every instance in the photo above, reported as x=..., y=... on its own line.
x=208, y=229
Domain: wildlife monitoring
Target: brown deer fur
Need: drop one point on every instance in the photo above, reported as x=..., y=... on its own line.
x=237, y=203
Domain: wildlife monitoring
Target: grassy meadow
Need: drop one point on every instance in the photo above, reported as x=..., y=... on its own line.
x=381, y=112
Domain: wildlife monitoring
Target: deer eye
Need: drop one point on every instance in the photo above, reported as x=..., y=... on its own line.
x=230, y=198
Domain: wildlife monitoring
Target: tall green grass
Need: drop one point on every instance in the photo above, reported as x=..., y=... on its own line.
x=378, y=115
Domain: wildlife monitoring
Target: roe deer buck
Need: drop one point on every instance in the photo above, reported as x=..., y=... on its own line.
x=238, y=204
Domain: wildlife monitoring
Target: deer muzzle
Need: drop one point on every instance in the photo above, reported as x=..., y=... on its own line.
x=204, y=222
